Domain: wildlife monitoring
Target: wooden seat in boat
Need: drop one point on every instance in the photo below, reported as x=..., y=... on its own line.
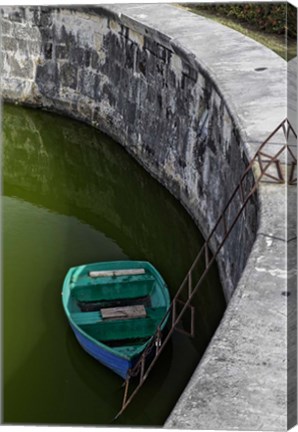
x=124, y=312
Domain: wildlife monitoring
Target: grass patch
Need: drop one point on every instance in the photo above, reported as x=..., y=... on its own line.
x=276, y=43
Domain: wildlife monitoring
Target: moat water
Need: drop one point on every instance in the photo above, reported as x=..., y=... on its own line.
x=71, y=195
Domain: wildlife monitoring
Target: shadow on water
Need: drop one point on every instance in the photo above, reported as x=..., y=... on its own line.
x=72, y=196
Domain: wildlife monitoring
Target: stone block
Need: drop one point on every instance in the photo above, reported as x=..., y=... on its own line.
x=48, y=50
x=189, y=71
x=187, y=83
x=114, y=45
x=45, y=17
x=21, y=67
x=114, y=26
x=98, y=41
x=94, y=61
x=32, y=13
x=65, y=37
x=47, y=79
x=130, y=54
x=61, y=52
x=157, y=49
x=33, y=47
x=141, y=61
x=47, y=33
x=162, y=53
x=115, y=74
x=77, y=55
x=173, y=79
x=150, y=45
x=109, y=94
x=87, y=61
x=151, y=68
x=23, y=47
x=17, y=15
x=124, y=31
x=102, y=24
x=69, y=75
x=97, y=89
x=9, y=44
x=142, y=91
x=97, y=115
x=33, y=33
x=176, y=64
x=15, y=87
x=29, y=48
x=85, y=109
x=151, y=94
x=88, y=83
x=130, y=112
x=6, y=27
x=21, y=32
x=136, y=37
x=133, y=89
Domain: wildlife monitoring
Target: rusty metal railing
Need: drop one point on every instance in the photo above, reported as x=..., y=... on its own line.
x=188, y=287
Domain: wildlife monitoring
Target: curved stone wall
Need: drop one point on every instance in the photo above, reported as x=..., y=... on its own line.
x=144, y=89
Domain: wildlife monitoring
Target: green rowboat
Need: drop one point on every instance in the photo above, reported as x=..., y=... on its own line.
x=114, y=309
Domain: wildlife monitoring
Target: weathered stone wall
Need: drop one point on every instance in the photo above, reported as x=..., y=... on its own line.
x=145, y=91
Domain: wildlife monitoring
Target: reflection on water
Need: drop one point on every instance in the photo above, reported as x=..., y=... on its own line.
x=72, y=196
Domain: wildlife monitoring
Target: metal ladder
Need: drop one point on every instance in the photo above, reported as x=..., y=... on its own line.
x=261, y=163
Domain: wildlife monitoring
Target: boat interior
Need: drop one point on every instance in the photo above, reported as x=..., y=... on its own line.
x=120, y=310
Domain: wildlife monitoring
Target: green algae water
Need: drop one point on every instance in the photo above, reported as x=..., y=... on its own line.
x=71, y=196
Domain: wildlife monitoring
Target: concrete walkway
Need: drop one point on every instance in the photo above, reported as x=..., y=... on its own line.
x=241, y=382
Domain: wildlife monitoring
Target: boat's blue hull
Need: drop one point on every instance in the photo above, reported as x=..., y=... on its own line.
x=87, y=325
x=118, y=364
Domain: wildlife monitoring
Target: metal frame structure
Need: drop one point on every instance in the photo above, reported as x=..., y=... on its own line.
x=263, y=160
